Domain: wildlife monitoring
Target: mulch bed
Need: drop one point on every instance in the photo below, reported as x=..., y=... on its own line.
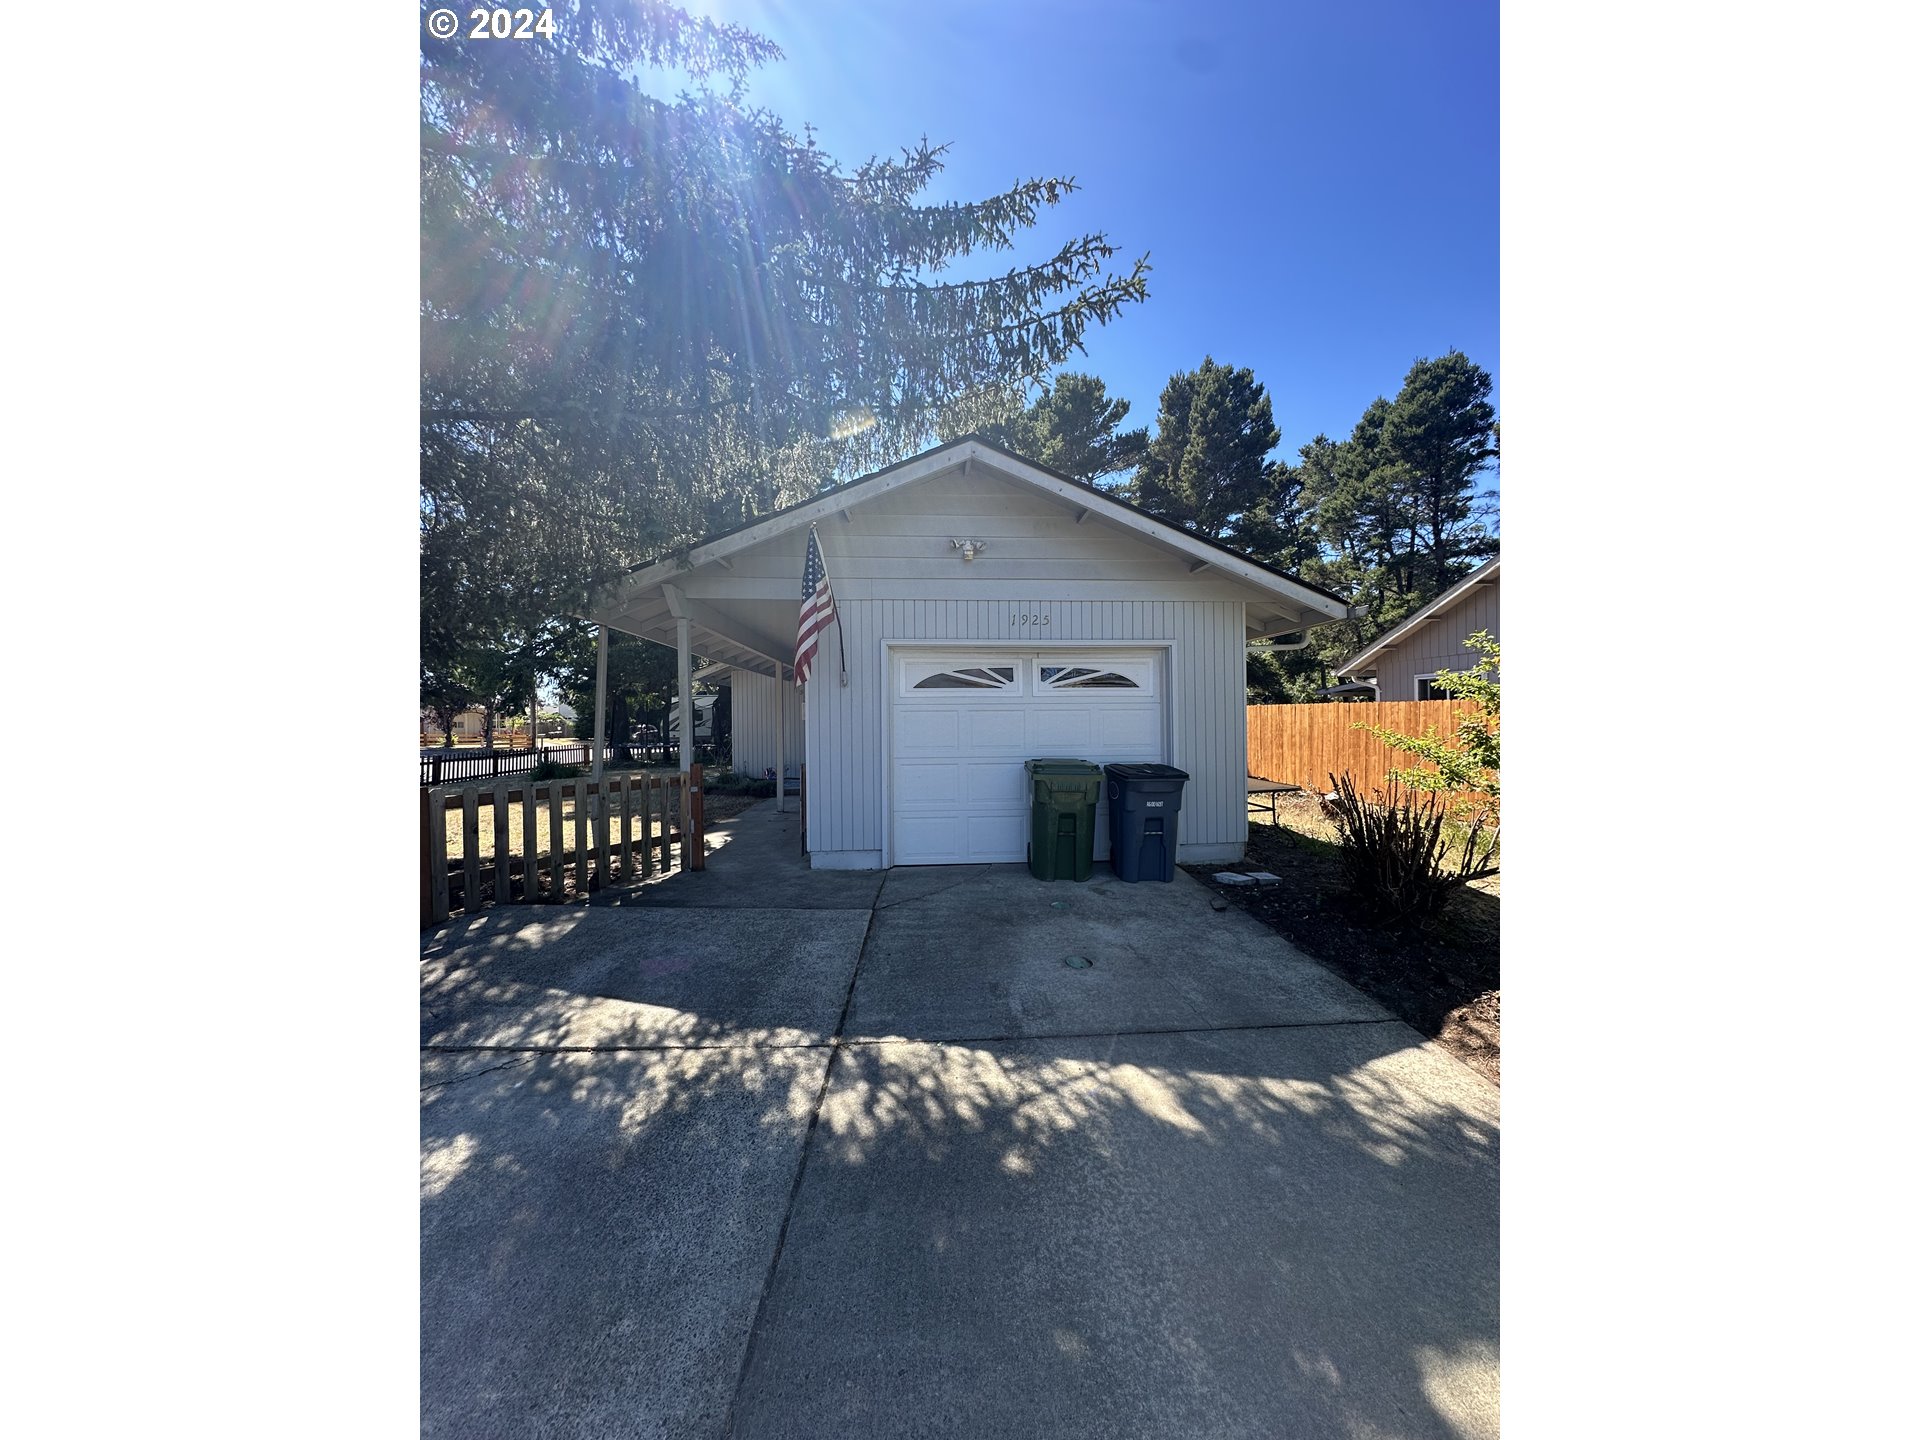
x=1445, y=981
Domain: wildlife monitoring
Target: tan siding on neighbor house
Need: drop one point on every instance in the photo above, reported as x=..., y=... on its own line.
x=1439, y=644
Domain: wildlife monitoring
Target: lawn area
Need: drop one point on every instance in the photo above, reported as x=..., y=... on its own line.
x=718, y=808
x=1445, y=981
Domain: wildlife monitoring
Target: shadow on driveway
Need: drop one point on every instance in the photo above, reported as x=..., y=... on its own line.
x=771, y=1194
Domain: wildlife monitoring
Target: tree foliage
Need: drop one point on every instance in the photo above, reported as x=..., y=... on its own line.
x=647, y=315
x=641, y=680
x=1390, y=517
x=1206, y=468
x=1467, y=765
x=1073, y=426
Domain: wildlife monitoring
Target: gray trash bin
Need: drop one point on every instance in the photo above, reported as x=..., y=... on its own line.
x=1143, y=817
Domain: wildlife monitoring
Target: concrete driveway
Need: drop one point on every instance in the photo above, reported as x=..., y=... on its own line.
x=765, y=1152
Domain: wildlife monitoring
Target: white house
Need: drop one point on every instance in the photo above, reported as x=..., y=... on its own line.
x=990, y=610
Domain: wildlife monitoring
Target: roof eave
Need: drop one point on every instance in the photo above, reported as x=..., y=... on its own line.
x=1433, y=610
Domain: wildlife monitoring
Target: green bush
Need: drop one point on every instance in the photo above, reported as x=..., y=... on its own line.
x=1468, y=764
x=553, y=770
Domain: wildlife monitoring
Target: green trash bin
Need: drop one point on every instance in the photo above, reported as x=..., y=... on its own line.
x=1066, y=793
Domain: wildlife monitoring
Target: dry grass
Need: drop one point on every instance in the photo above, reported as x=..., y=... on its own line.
x=663, y=813
x=662, y=809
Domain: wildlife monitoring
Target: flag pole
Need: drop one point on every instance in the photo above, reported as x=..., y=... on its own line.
x=839, y=626
x=841, y=631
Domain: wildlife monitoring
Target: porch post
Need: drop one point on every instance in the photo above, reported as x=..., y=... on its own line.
x=600, y=707
x=683, y=637
x=779, y=740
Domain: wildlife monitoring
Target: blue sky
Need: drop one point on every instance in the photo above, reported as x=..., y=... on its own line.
x=1318, y=183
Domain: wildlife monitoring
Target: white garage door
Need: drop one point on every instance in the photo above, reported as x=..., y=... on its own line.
x=964, y=723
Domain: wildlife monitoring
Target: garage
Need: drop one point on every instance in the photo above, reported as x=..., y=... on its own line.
x=983, y=611
x=965, y=721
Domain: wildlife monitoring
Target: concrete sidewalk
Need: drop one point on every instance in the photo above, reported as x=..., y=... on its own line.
x=825, y=1154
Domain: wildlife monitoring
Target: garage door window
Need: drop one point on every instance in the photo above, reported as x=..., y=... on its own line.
x=966, y=677
x=1094, y=677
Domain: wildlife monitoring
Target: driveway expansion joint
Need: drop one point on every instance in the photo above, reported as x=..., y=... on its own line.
x=839, y=1041
x=834, y=1044
x=626, y=1049
x=1110, y=1034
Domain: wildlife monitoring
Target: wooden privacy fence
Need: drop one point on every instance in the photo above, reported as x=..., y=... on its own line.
x=1304, y=744
x=623, y=828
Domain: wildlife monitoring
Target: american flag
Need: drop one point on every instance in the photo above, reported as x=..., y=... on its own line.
x=816, y=611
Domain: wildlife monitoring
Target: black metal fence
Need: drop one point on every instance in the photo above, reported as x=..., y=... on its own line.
x=448, y=767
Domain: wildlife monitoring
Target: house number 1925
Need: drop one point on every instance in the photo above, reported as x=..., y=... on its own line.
x=1023, y=619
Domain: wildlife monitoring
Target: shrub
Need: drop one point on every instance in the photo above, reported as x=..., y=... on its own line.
x=1468, y=765
x=1395, y=847
x=727, y=782
x=552, y=770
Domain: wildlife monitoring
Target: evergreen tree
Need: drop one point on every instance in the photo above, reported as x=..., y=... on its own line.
x=643, y=317
x=1395, y=512
x=1206, y=468
x=1441, y=436
x=1073, y=427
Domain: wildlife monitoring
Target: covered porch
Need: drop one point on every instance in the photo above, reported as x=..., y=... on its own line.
x=741, y=625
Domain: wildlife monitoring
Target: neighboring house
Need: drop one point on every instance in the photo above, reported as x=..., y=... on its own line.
x=991, y=611
x=469, y=724
x=1352, y=690
x=1402, y=663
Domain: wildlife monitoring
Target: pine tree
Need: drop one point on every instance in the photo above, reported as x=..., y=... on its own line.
x=1073, y=426
x=1206, y=468
x=1442, y=436
x=646, y=317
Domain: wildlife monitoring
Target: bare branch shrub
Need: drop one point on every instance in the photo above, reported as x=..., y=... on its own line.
x=1396, y=852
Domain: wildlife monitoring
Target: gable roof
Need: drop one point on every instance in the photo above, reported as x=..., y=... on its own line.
x=1302, y=595
x=1434, y=609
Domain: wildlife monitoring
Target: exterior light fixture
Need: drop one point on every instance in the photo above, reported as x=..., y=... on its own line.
x=968, y=548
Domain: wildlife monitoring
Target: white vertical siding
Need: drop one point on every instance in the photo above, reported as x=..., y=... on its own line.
x=1206, y=711
x=755, y=707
